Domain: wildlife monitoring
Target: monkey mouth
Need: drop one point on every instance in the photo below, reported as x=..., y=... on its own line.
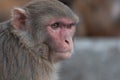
x=61, y=55
x=63, y=51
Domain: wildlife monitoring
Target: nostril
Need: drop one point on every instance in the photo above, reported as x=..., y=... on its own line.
x=67, y=41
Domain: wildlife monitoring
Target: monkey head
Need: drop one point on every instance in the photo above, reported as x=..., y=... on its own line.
x=47, y=22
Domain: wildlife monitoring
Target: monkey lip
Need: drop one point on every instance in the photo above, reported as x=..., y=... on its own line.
x=61, y=55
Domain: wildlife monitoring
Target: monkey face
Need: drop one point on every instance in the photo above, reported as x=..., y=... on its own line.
x=60, y=33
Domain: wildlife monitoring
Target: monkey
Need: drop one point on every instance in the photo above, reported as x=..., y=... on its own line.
x=37, y=37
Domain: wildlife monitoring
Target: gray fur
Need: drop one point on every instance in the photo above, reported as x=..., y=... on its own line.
x=23, y=55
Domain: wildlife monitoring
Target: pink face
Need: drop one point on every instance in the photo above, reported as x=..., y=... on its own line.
x=60, y=33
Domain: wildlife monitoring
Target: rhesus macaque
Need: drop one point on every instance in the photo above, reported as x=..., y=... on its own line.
x=35, y=39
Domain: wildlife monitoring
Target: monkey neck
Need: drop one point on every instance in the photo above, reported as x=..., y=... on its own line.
x=46, y=69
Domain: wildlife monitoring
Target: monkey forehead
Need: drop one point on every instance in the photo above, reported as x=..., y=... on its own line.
x=64, y=20
x=49, y=9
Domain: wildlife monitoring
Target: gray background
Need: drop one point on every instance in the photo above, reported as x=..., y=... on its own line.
x=93, y=59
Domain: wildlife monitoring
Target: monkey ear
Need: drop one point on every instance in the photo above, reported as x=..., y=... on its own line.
x=19, y=18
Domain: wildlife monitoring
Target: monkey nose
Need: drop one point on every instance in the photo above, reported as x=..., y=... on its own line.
x=67, y=42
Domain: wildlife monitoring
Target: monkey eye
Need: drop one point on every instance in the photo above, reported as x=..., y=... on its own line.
x=60, y=24
x=56, y=25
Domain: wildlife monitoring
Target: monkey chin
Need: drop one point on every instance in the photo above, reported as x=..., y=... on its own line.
x=59, y=56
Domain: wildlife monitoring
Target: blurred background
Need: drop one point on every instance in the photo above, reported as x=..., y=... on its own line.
x=97, y=40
